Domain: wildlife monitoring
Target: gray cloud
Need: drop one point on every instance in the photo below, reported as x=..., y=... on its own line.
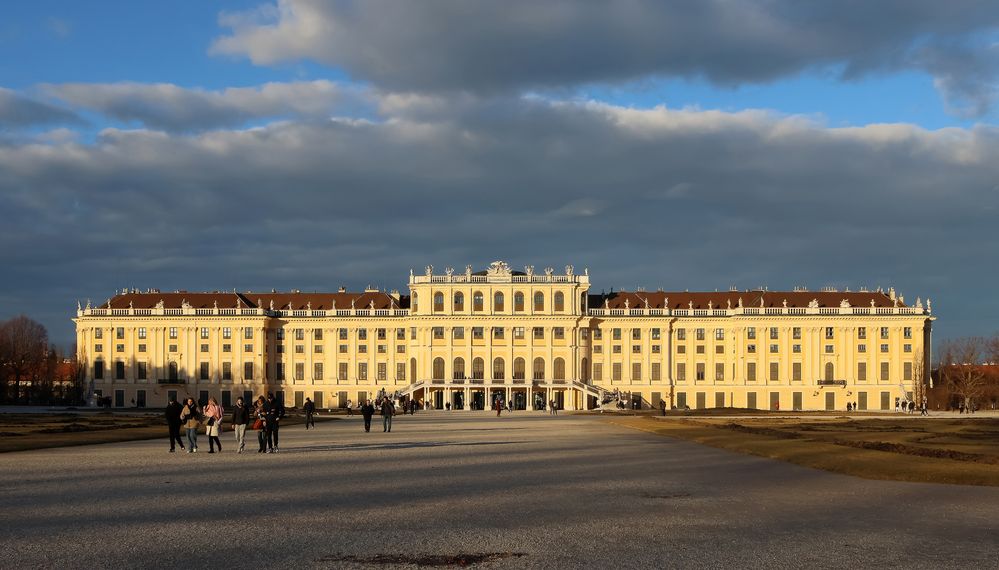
x=170, y=107
x=483, y=46
x=752, y=198
x=18, y=111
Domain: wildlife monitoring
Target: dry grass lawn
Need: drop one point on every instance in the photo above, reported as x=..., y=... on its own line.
x=958, y=451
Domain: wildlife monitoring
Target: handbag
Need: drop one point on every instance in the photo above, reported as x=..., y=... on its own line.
x=211, y=422
x=259, y=424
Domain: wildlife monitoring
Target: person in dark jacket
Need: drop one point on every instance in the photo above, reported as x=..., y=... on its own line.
x=274, y=412
x=388, y=410
x=173, y=410
x=240, y=417
x=310, y=409
x=367, y=411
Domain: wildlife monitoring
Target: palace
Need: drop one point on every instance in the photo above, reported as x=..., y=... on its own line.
x=469, y=338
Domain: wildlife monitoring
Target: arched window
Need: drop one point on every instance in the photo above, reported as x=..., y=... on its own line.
x=478, y=368
x=518, y=302
x=438, y=368
x=558, y=369
x=412, y=302
x=584, y=369
x=518, y=369
x=438, y=302
x=539, y=301
x=477, y=302
x=558, y=303
x=829, y=371
x=458, y=371
x=539, y=368
x=412, y=371
x=499, y=369
x=498, y=301
x=459, y=301
x=172, y=371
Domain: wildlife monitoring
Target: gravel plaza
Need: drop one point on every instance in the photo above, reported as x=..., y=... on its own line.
x=525, y=490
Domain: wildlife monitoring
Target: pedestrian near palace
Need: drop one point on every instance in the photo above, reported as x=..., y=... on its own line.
x=260, y=423
x=173, y=411
x=191, y=418
x=310, y=410
x=240, y=417
x=350, y=410
x=367, y=411
x=213, y=424
x=388, y=410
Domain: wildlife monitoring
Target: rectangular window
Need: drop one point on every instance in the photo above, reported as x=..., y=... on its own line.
x=142, y=332
x=584, y=334
x=226, y=332
x=203, y=371
x=362, y=334
x=227, y=370
x=884, y=333
x=362, y=349
x=796, y=348
x=400, y=334
x=299, y=334
x=98, y=369
x=681, y=334
x=830, y=332
x=119, y=370
x=751, y=333
x=681, y=372
x=204, y=332
x=751, y=348
x=342, y=334
x=498, y=333
x=616, y=372
x=655, y=334
x=656, y=348
x=907, y=371
x=247, y=333
x=598, y=372
x=907, y=332
x=906, y=348
x=299, y=371
x=317, y=334
x=719, y=372
x=598, y=334
x=700, y=371
x=478, y=333
x=774, y=371
x=98, y=333
x=362, y=371
x=750, y=372
x=342, y=372
x=172, y=348
x=343, y=349
x=318, y=349
x=380, y=334
x=861, y=372
x=680, y=349
x=699, y=334
x=280, y=334
x=247, y=348
x=829, y=349
x=656, y=372
x=173, y=332
x=884, y=348
x=616, y=349
x=796, y=371
x=458, y=333
x=598, y=349
x=140, y=371
x=636, y=334
x=796, y=333
x=539, y=332
x=862, y=333
x=227, y=348
x=636, y=349
x=774, y=348
x=699, y=349
x=719, y=334
x=381, y=371
x=119, y=348
x=412, y=333
x=247, y=371
x=381, y=349
x=438, y=333
x=774, y=334
x=719, y=349
x=884, y=371
x=400, y=371
x=616, y=334
x=400, y=349
x=636, y=371
x=518, y=332
x=279, y=371
x=559, y=333
x=861, y=348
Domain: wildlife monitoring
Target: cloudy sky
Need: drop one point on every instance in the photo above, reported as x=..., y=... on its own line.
x=685, y=145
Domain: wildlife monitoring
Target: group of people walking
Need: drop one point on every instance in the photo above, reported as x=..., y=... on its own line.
x=266, y=417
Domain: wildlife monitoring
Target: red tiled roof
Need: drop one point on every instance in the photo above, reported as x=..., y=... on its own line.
x=281, y=301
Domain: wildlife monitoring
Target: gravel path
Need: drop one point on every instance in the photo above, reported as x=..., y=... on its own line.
x=522, y=491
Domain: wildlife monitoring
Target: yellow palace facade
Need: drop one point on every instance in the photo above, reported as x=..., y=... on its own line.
x=466, y=339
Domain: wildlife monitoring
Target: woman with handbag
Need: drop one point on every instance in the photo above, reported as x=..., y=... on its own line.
x=213, y=419
x=191, y=417
x=260, y=413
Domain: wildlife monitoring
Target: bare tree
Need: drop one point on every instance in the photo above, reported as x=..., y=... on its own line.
x=24, y=349
x=961, y=368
